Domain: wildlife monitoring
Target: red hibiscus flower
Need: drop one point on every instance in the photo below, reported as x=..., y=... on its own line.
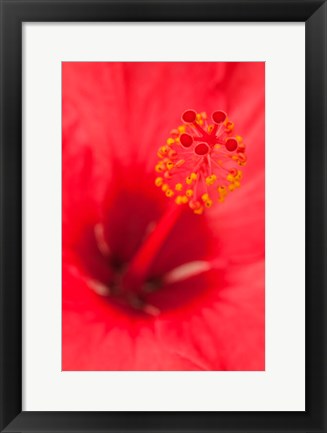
x=163, y=262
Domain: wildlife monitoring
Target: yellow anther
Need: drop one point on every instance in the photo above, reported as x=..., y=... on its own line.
x=169, y=165
x=199, y=119
x=230, y=178
x=204, y=115
x=222, y=190
x=229, y=126
x=237, y=184
x=164, y=150
x=198, y=211
x=205, y=196
x=210, y=180
x=160, y=167
x=158, y=181
x=165, y=187
x=184, y=199
x=239, y=139
x=239, y=175
x=178, y=187
x=189, y=192
x=178, y=199
x=232, y=187
x=191, y=178
x=180, y=163
x=221, y=199
x=170, y=141
x=208, y=203
x=194, y=176
x=181, y=129
x=210, y=128
x=169, y=193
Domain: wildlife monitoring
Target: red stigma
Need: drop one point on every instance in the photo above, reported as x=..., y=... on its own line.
x=231, y=144
x=201, y=149
x=219, y=116
x=189, y=116
x=186, y=140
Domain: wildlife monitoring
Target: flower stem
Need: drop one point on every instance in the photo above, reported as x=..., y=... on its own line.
x=138, y=268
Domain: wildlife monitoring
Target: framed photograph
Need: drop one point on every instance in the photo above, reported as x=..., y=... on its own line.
x=163, y=246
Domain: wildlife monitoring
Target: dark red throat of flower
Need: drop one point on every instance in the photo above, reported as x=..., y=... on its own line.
x=137, y=270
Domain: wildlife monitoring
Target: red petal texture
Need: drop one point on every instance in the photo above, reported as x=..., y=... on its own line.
x=115, y=116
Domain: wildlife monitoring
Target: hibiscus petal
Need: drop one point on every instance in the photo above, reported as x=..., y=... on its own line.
x=115, y=116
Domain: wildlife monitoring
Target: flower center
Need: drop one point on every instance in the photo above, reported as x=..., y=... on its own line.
x=155, y=277
x=199, y=164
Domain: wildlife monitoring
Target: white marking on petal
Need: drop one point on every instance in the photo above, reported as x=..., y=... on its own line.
x=99, y=288
x=150, y=227
x=187, y=270
x=151, y=310
x=100, y=240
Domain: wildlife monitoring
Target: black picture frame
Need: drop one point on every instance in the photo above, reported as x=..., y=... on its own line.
x=13, y=14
